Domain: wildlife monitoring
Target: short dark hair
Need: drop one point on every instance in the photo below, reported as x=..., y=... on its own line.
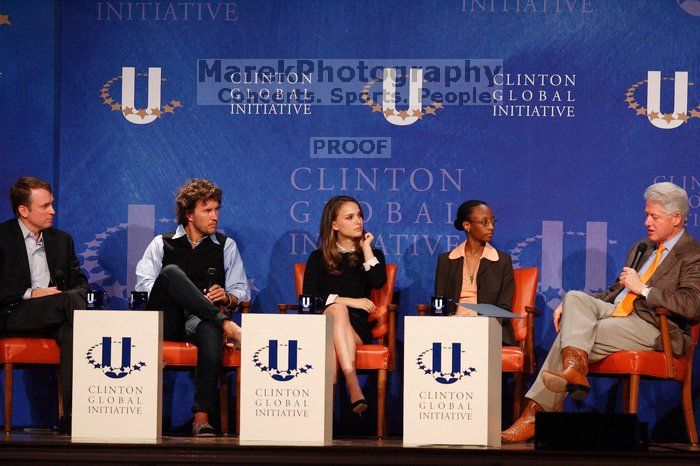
x=190, y=194
x=465, y=211
x=21, y=191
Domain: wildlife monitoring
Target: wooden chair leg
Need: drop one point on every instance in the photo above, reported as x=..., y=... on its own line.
x=633, y=393
x=626, y=395
x=8, y=397
x=517, y=394
x=223, y=402
x=60, y=396
x=688, y=409
x=381, y=401
x=238, y=401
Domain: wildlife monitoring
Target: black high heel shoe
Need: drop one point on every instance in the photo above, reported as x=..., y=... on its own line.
x=359, y=407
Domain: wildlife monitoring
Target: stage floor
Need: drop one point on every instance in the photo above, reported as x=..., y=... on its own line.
x=45, y=448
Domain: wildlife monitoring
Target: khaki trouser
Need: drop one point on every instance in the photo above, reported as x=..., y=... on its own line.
x=587, y=324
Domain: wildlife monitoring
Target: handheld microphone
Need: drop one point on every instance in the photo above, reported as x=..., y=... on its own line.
x=211, y=273
x=641, y=249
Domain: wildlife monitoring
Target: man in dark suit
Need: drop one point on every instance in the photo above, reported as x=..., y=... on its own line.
x=591, y=327
x=41, y=283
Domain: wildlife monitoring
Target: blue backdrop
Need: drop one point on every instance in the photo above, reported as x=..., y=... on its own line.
x=545, y=109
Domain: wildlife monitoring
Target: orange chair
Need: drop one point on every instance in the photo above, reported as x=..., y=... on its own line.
x=178, y=354
x=518, y=360
x=22, y=350
x=633, y=365
x=380, y=356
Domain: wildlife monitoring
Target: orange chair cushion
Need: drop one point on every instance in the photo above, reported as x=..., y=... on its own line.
x=372, y=357
x=648, y=363
x=18, y=350
x=513, y=359
x=182, y=354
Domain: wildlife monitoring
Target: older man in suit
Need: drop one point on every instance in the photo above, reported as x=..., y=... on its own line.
x=621, y=318
x=41, y=283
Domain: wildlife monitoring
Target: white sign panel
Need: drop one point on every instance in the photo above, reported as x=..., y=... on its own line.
x=286, y=379
x=117, y=375
x=452, y=381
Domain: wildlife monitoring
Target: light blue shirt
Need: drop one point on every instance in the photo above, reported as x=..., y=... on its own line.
x=36, y=255
x=151, y=263
x=668, y=245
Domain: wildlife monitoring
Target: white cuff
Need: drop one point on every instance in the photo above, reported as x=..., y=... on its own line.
x=645, y=291
x=331, y=299
x=27, y=294
x=370, y=263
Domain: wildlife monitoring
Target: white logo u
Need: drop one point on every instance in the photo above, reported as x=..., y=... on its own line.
x=414, y=96
x=128, y=90
x=680, y=99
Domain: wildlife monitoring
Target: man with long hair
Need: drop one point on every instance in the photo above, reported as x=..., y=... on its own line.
x=191, y=274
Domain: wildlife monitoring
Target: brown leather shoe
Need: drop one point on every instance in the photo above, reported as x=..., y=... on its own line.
x=573, y=378
x=523, y=430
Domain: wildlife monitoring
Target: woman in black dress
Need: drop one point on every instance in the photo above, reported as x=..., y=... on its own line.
x=343, y=272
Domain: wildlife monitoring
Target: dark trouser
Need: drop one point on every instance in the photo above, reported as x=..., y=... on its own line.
x=52, y=317
x=175, y=294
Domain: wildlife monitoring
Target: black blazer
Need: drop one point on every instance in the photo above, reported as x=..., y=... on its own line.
x=495, y=284
x=15, y=276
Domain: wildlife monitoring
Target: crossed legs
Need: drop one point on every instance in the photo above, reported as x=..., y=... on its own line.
x=189, y=315
x=345, y=342
x=590, y=333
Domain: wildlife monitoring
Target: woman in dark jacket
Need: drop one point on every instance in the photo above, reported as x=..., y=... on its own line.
x=476, y=272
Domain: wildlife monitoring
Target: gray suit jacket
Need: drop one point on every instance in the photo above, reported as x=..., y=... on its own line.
x=675, y=285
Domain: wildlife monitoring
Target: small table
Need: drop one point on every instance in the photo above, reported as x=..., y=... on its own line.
x=452, y=381
x=117, y=376
x=287, y=378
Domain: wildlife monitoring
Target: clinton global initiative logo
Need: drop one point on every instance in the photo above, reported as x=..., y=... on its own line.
x=653, y=111
x=430, y=363
x=692, y=7
x=415, y=110
x=568, y=258
x=101, y=258
x=115, y=365
x=5, y=20
x=410, y=89
x=127, y=107
x=266, y=359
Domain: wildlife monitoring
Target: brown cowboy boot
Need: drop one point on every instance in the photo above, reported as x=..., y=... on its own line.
x=573, y=378
x=523, y=429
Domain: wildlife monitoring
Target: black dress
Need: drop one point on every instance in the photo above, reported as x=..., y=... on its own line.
x=352, y=282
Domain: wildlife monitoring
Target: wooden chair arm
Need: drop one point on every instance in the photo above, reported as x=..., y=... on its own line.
x=283, y=308
x=529, y=343
x=660, y=311
x=422, y=309
x=666, y=341
x=391, y=335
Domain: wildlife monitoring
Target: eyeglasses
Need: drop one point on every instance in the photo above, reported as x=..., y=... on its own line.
x=484, y=223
